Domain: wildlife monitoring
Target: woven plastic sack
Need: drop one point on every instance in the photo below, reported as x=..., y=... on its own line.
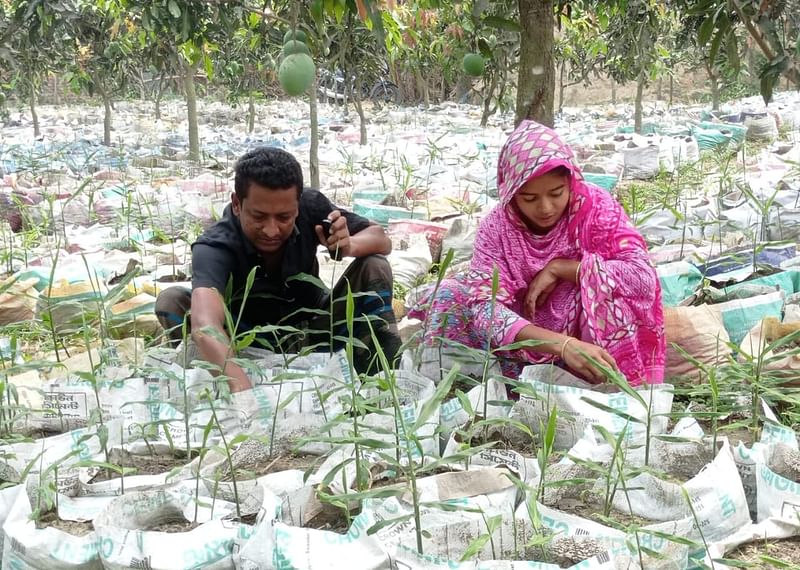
x=134, y=317
x=679, y=280
x=700, y=332
x=740, y=316
x=761, y=128
x=641, y=163
x=71, y=305
x=18, y=300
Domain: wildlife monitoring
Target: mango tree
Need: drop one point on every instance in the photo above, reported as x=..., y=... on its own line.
x=104, y=41
x=772, y=25
x=313, y=19
x=425, y=43
x=247, y=62
x=156, y=68
x=491, y=38
x=358, y=54
x=40, y=30
x=717, y=56
x=635, y=34
x=193, y=30
x=580, y=47
x=536, y=81
x=6, y=53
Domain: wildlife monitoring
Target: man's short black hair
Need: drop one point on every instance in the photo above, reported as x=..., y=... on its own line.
x=270, y=167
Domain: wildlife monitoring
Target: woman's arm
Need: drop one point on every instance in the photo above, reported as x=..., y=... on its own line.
x=576, y=354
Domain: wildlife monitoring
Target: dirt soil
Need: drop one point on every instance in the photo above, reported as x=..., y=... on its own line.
x=503, y=437
x=50, y=519
x=175, y=526
x=592, y=510
x=330, y=518
x=268, y=465
x=144, y=465
x=787, y=551
x=178, y=277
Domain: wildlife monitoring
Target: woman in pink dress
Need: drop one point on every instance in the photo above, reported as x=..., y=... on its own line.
x=573, y=273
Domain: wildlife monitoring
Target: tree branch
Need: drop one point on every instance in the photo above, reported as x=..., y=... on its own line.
x=755, y=33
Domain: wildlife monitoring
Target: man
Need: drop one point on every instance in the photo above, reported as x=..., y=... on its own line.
x=274, y=225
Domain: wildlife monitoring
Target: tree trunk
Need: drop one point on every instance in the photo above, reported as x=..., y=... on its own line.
x=487, y=100
x=637, y=112
x=56, y=92
x=613, y=92
x=671, y=89
x=159, y=94
x=251, y=114
x=660, y=89
x=422, y=85
x=536, y=84
x=714, y=91
x=463, y=86
x=561, y=66
x=313, y=158
x=191, y=110
x=106, y=118
x=362, y=121
x=141, y=85
x=34, y=114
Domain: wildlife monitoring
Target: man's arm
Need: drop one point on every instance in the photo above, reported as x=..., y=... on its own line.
x=208, y=312
x=369, y=241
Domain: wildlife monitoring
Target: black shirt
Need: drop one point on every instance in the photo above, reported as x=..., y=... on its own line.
x=223, y=253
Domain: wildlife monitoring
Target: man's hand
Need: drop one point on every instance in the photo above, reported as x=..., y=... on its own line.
x=208, y=312
x=339, y=240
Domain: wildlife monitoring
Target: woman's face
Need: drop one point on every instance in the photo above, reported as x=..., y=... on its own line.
x=542, y=201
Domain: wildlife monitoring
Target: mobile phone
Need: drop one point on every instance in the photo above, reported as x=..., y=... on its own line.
x=326, y=227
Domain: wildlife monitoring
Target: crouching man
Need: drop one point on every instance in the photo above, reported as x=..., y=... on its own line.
x=274, y=225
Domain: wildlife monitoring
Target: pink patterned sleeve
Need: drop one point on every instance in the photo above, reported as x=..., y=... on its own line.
x=503, y=323
x=621, y=296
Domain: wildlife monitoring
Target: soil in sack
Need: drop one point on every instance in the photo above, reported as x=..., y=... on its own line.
x=501, y=436
x=785, y=462
x=174, y=526
x=177, y=277
x=591, y=508
x=787, y=551
x=155, y=464
x=586, y=500
x=331, y=518
x=252, y=460
x=75, y=528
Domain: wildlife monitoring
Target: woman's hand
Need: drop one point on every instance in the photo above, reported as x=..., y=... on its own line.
x=578, y=354
x=545, y=281
x=539, y=290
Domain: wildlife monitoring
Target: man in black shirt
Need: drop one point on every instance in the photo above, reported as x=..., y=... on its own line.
x=273, y=226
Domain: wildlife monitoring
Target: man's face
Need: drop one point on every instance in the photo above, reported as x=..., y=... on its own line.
x=267, y=216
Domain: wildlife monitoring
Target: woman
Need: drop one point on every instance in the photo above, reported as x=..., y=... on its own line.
x=573, y=273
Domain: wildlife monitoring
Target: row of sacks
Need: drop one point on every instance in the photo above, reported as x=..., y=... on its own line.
x=172, y=208
x=121, y=524
x=713, y=488
x=209, y=532
x=71, y=289
x=739, y=302
x=736, y=217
